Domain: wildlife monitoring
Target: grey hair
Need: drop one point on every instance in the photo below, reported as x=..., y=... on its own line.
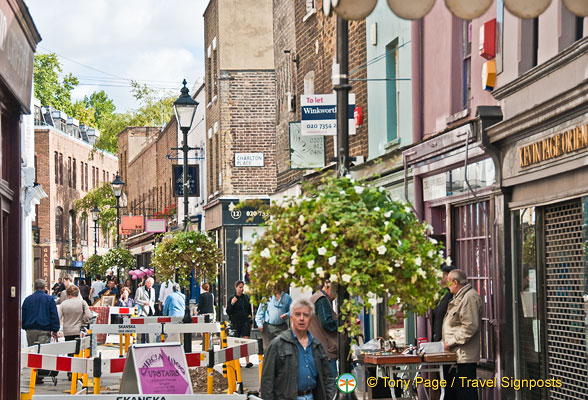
x=298, y=303
x=176, y=287
x=150, y=279
x=40, y=284
x=459, y=276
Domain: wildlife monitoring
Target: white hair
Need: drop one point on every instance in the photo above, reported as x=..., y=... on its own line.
x=299, y=303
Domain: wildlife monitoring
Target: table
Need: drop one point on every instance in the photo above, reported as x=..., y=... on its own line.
x=405, y=368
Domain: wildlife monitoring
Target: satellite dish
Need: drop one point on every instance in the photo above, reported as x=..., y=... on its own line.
x=468, y=9
x=578, y=7
x=353, y=10
x=414, y=9
x=529, y=8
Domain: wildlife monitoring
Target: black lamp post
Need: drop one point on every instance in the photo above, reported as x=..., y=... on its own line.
x=117, y=186
x=95, y=215
x=185, y=109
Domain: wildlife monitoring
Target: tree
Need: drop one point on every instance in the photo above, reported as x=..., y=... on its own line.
x=93, y=266
x=102, y=105
x=49, y=89
x=353, y=235
x=83, y=114
x=183, y=252
x=119, y=259
x=103, y=197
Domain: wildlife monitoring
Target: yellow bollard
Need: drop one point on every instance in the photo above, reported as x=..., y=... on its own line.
x=33, y=382
x=260, y=366
x=85, y=376
x=127, y=342
x=74, y=380
x=231, y=378
x=237, y=366
x=96, y=385
x=209, y=381
x=206, y=342
x=120, y=345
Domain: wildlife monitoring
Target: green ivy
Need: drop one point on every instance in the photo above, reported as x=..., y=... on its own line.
x=181, y=252
x=352, y=234
x=119, y=259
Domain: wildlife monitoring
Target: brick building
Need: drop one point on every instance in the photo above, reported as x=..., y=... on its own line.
x=67, y=166
x=240, y=120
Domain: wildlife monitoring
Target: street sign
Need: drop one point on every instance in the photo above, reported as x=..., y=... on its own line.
x=319, y=114
x=193, y=180
x=248, y=159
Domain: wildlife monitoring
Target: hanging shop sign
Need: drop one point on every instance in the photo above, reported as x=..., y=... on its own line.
x=249, y=160
x=155, y=225
x=554, y=146
x=193, y=180
x=319, y=114
x=132, y=222
x=306, y=152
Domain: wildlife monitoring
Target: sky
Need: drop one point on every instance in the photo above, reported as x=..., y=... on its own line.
x=108, y=43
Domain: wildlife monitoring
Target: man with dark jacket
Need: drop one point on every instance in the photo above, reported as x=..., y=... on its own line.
x=441, y=309
x=40, y=318
x=239, y=312
x=295, y=365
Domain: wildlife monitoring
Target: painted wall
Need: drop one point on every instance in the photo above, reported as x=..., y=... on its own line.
x=388, y=28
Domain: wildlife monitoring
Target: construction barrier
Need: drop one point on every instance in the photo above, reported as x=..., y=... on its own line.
x=155, y=328
x=149, y=397
x=151, y=320
x=123, y=310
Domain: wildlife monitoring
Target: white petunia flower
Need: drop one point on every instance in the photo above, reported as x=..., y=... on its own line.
x=292, y=269
x=429, y=228
x=433, y=241
x=322, y=251
x=198, y=249
x=386, y=223
x=320, y=272
x=397, y=264
x=301, y=219
x=335, y=244
x=333, y=278
x=332, y=260
x=359, y=189
x=422, y=273
x=294, y=255
x=382, y=250
x=407, y=210
x=387, y=238
x=337, y=223
x=448, y=261
x=388, y=214
x=265, y=253
x=430, y=253
x=418, y=261
x=294, y=261
x=377, y=209
x=285, y=275
x=310, y=263
x=346, y=278
x=342, y=192
x=324, y=228
x=190, y=241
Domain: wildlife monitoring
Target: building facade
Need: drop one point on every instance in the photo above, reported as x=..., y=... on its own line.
x=67, y=167
x=240, y=121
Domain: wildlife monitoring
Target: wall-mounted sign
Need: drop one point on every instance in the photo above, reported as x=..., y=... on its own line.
x=306, y=152
x=155, y=225
x=132, y=223
x=319, y=114
x=156, y=369
x=242, y=215
x=554, y=146
x=46, y=260
x=249, y=160
x=193, y=183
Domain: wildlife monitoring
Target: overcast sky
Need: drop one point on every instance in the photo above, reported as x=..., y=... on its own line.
x=155, y=42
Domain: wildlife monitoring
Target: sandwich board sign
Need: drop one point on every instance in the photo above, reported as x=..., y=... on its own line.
x=156, y=369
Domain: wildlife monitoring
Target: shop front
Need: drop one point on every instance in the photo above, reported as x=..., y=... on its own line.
x=233, y=229
x=545, y=169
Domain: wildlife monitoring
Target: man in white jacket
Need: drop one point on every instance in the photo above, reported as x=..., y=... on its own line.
x=145, y=299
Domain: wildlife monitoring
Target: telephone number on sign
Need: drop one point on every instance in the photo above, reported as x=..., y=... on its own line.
x=321, y=126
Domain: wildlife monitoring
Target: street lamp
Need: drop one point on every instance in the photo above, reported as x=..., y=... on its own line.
x=95, y=215
x=185, y=109
x=117, y=185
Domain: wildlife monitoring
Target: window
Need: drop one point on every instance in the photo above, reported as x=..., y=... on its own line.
x=466, y=63
x=214, y=71
x=72, y=237
x=86, y=179
x=56, y=162
x=69, y=180
x=59, y=224
x=84, y=227
x=60, y=168
x=473, y=254
x=93, y=177
x=82, y=175
x=74, y=175
x=391, y=91
x=529, y=44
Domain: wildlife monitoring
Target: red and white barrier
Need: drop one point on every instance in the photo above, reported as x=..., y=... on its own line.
x=155, y=328
x=59, y=347
x=54, y=363
x=151, y=320
x=237, y=348
x=123, y=310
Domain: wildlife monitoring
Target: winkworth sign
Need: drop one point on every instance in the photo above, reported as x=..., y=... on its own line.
x=319, y=114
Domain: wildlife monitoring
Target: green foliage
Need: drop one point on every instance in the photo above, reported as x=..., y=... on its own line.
x=84, y=115
x=183, y=252
x=93, y=266
x=119, y=258
x=102, y=105
x=49, y=88
x=103, y=197
x=354, y=235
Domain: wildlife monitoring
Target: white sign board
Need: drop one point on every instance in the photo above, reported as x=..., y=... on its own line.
x=249, y=160
x=319, y=114
x=306, y=152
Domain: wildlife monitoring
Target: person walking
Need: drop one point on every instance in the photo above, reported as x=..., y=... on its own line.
x=441, y=309
x=85, y=291
x=40, y=319
x=175, y=303
x=165, y=289
x=295, y=365
x=145, y=298
x=461, y=335
x=239, y=312
x=97, y=287
x=323, y=324
x=109, y=290
x=206, y=302
x=273, y=315
x=67, y=281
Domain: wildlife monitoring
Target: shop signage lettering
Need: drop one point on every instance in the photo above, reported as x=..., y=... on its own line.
x=554, y=146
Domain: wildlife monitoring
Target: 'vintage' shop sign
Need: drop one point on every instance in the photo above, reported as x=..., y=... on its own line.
x=554, y=146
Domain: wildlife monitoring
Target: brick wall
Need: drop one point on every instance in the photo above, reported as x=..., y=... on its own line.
x=212, y=74
x=315, y=44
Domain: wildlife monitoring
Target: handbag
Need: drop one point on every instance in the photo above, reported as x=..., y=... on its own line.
x=85, y=318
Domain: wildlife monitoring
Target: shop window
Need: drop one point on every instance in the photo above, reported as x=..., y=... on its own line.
x=473, y=254
x=391, y=90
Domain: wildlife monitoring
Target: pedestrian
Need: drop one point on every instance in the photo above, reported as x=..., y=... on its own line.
x=273, y=315
x=239, y=312
x=175, y=303
x=441, y=309
x=295, y=365
x=74, y=312
x=323, y=324
x=129, y=285
x=85, y=291
x=145, y=298
x=97, y=287
x=67, y=282
x=206, y=302
x=125, y=299
x=40, y=319
x=109, y=290
x=165, y=289
x=57, y=287
x=461, y=335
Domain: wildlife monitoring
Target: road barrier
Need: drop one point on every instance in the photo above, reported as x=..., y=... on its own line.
x=149, y=397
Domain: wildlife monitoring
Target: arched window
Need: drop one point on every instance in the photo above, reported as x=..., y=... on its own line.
x=59, y=224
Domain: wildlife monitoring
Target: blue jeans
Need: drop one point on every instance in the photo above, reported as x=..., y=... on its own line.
x=333, y=365
x=305, y=397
